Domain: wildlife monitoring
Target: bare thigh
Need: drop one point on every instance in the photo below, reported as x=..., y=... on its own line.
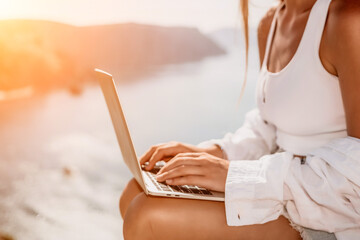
x=160, y=218
x=131, y=190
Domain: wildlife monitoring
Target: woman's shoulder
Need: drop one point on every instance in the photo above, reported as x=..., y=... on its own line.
x=263, y=31
x=342, y=31
x=344, y=6
x=344, y=17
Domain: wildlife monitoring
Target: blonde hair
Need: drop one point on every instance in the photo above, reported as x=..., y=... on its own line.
x=244, y=8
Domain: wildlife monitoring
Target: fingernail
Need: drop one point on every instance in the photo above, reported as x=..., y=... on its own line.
x=169, y=181
x=159, y=177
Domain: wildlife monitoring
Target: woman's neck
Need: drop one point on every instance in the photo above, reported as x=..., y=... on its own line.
x=299, y=6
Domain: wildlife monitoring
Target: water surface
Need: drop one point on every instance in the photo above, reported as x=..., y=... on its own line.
x=61, y=172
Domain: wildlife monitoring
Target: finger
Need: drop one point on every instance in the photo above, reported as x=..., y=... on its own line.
x=166, y=159
x=161, y=153
x=181, y=171
x=146, y=156
x=181, y=155
x=179, y=161
x=188, y=154
x=194, y=180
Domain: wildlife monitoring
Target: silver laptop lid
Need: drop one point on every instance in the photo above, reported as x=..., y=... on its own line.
x=118, y=119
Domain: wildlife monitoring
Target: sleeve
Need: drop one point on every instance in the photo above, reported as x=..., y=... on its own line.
x=254, y=189
x=252, y=140
x=322, y=194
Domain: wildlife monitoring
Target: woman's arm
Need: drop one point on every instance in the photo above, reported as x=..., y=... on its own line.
x=341, y=47
x=254, y=139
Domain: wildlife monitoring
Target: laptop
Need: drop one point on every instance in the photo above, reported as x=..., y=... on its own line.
x=146, y=179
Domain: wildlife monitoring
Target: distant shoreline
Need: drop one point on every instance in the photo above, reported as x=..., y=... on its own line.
x=48, y=55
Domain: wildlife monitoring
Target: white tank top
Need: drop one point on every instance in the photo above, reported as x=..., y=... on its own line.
x=302, y=100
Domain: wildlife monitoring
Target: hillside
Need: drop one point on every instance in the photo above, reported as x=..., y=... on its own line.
x=47, y=55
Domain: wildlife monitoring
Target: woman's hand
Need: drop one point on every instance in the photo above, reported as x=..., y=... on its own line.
x=200, y=169
x=166, y=151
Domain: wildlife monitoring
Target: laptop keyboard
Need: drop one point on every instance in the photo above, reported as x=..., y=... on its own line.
x=174, y=188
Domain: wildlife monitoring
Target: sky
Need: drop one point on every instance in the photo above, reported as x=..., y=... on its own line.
x=207, y=15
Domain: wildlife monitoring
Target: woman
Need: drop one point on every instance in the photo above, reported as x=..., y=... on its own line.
x=307, y=96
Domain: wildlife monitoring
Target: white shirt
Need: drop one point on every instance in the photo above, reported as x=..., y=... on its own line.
x=322, y=194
